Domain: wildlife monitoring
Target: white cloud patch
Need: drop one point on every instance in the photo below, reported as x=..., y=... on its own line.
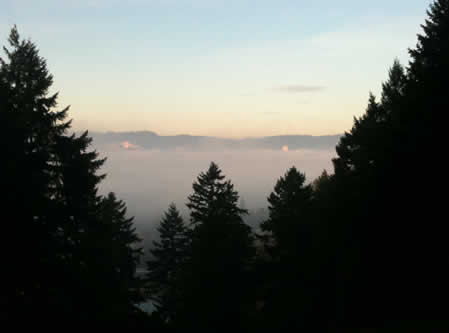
x=128, y=145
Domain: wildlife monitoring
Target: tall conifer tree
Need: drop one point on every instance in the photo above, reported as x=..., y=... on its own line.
x=170, y=254
x=289, y=237
x=32, y=125
x=381, y=205
x=216, y=275
x=56, y=221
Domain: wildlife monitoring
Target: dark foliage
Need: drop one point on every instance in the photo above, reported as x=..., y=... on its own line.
x=169, y=256
x=69, y=253
x=215, y=279
x=391, y=255
x=292, y=286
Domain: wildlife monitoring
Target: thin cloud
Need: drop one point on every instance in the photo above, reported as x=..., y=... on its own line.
x=298, y=89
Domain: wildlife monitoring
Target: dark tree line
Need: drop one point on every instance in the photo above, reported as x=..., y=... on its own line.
x=362, y=247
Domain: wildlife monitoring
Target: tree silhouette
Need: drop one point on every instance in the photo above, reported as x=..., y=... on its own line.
x=169, y=256
x=290, y=238
x=421, y=142
x=75, y=254
x=216, y=275
x=116, y=245
x=32, y=127
x=381, y=199
x=289, y=205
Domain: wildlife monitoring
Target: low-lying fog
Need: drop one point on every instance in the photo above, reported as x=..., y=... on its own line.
x=149, y=179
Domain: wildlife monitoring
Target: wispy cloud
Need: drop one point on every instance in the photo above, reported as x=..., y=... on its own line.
x=298, y=89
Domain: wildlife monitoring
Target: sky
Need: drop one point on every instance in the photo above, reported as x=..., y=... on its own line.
x=228, y=68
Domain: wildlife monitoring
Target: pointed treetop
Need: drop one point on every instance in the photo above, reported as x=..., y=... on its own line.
x=14, y=37
x=214, y=172
x=431, y=52
x=213, y=196
x=292, y=179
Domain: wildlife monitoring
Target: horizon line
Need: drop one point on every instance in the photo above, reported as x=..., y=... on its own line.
x=205, y=136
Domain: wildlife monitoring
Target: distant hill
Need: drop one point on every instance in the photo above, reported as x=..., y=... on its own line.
x=151, y=140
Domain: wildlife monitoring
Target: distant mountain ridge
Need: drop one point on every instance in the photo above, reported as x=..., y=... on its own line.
x=151, y=140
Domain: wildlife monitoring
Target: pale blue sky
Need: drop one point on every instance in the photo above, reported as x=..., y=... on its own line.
x=226, y=68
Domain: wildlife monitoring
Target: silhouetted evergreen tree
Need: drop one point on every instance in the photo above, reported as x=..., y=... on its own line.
x=31, y=127
x=116, y=245
x=291, y=238
x=216, y=294
x=388, y=262
x=169, y=253
x=74, y=251
x=420, y=209
x=289, y=205
x=324, y=251
x=321, y=181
